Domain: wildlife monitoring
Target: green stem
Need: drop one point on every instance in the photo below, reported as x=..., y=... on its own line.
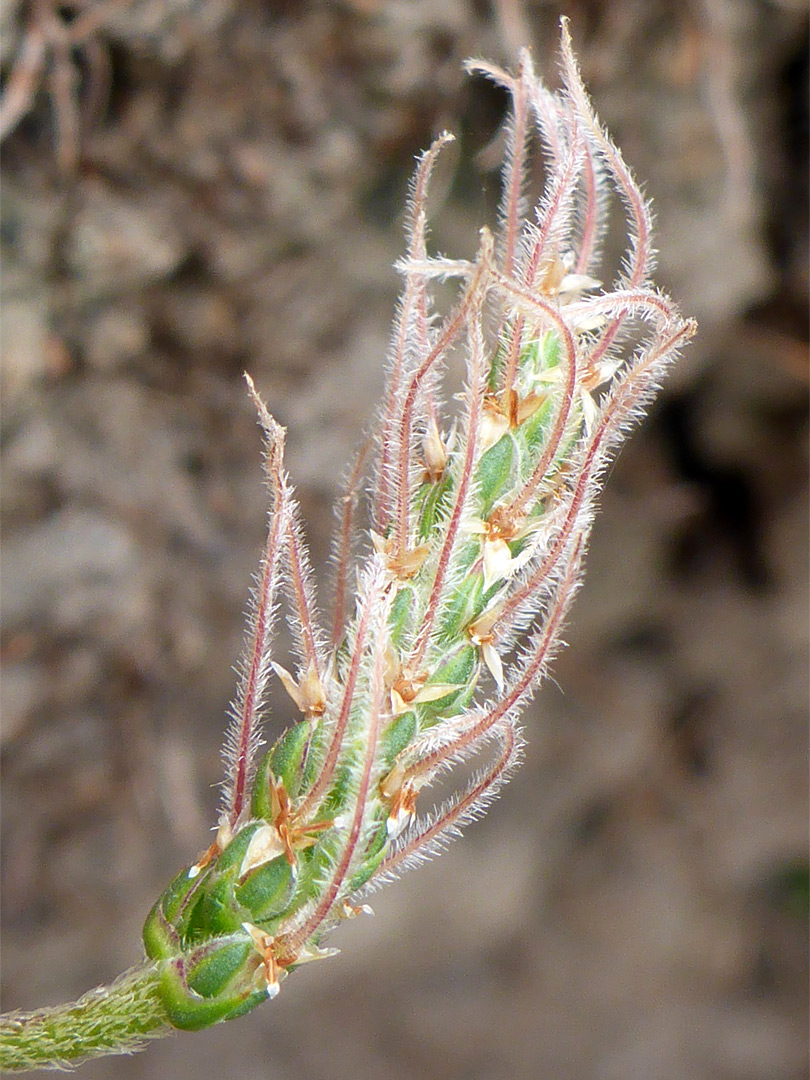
x=113, y=1019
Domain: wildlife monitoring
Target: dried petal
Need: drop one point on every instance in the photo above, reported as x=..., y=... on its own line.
x=497, y=561
x=493, y=661
x=494, y=425
x=265, y=844
x=435, y=451
x=289, y=684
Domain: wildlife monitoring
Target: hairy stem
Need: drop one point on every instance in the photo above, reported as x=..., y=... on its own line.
x=114, y=1019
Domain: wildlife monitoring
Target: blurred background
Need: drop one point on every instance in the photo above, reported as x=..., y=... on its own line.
x=193, y=188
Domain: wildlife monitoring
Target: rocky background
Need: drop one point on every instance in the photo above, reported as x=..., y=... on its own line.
x=198, y=187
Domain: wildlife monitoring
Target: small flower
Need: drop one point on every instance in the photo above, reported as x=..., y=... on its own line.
x=494, y=423
x=497, y=559
x=436, y=452
x=401, y=565
x=400, y=792
x=283, y=835
x=481, y=633
x=268, y=972
x=559, y=279
x=265, y=844
x=351, y=911
x=308, y=693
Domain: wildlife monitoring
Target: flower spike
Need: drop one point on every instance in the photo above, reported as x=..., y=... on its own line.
x=467, y=555
x=463, y=530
